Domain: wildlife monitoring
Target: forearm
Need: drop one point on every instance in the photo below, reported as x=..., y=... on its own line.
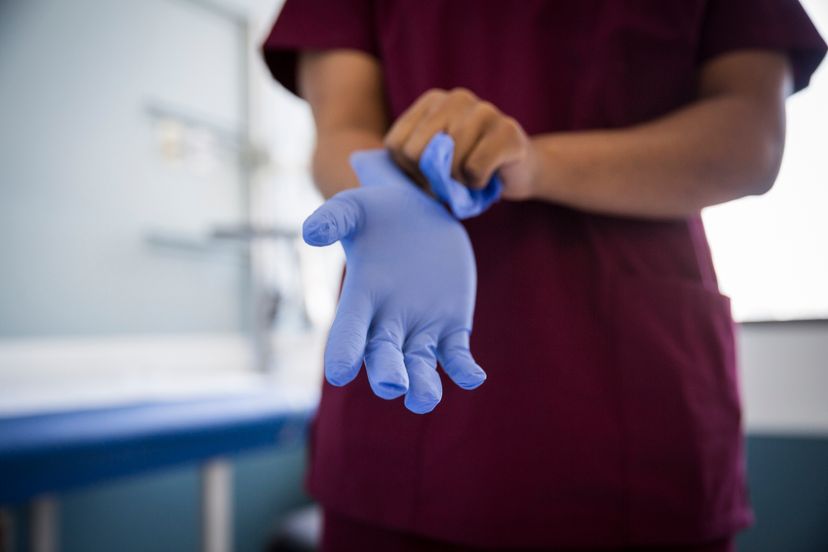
x=344, y=90
x=726, y=145
x=331, y=168
x=705, y=154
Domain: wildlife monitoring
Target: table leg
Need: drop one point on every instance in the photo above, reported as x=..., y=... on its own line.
x=7, y=536
x=43, y=524
x=217, y=506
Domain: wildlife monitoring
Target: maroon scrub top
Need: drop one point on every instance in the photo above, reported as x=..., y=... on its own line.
x=611, y=411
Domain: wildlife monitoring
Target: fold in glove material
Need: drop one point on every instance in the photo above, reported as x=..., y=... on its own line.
x=464, y=202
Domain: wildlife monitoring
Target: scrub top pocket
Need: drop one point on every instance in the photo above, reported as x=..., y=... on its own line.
x=674, y=354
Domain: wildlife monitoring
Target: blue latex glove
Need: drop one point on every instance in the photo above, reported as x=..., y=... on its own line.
x=464, y=202
x=409, y=289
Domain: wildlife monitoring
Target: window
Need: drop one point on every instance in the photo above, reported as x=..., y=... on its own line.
x=771, y=252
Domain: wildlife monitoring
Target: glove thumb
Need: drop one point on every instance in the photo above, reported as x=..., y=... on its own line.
x=334, y=220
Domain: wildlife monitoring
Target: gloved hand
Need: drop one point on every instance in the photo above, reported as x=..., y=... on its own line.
x=409, y=289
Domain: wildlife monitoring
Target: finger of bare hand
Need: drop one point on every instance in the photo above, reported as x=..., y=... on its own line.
x=405, y=123
x=504, y=142
x=453, y=107
x=467, y=132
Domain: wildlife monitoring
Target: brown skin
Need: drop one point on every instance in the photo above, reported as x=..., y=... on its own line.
x=725, y=145
x=344, y=90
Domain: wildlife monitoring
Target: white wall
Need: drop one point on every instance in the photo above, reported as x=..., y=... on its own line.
x=83, y=180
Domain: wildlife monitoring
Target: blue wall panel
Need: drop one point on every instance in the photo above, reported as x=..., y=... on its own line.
x=159, y=512
x=789, y=489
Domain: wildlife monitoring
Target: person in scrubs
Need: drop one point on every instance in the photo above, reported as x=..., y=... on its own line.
x=610, y=418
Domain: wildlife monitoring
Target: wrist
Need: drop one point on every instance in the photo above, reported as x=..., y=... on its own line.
x=548, y=175
x=535, y=171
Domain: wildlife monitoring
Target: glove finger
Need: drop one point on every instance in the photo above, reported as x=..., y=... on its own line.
x=424, y=387
x=337, y=218
x=456, y=360
x=386, y=370
x=346, y=341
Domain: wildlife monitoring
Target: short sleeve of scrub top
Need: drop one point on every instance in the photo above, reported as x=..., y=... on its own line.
x=781, y=25
x=317, y=25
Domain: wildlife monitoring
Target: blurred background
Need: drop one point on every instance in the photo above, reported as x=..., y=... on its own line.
x=162, y=325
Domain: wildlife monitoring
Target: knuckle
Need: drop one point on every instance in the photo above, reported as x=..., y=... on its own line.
x=508, y=129
x=461, y=90
x=463, y=94
x=485, y=109
x=513, y=125
x=510, y=124
x=434, y=94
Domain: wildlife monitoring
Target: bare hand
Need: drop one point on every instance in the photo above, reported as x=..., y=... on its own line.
x=485, y=141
